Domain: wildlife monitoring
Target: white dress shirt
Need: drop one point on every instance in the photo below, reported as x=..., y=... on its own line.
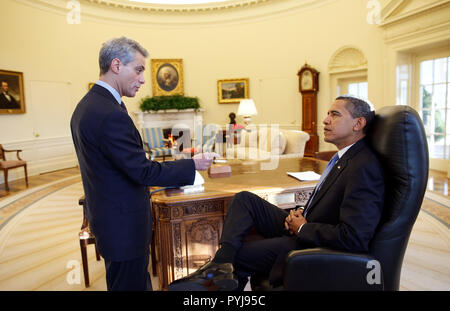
x=340, y=154
x=111, y=90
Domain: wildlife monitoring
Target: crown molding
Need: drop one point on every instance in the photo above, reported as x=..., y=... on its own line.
x=424, y=25
x=389, y=18
x=175, y=16
x=173, y=8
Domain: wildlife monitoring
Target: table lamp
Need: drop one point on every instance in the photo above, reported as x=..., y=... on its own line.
x=247, y=109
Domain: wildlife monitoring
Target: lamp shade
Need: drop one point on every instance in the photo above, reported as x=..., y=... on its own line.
x=247, y=108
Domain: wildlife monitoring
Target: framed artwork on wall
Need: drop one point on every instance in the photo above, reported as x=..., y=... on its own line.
x=231, y=91
x=167, y=77
x=12, y=95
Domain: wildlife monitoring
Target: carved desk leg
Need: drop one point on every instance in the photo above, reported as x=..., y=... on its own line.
x=187, y=235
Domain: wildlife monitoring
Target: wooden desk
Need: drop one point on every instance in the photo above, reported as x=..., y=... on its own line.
x=188, y=227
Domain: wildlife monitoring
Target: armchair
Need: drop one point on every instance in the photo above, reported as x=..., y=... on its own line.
x=155, y=144
x=398, y=137
x=86, y=238
x=6, y=165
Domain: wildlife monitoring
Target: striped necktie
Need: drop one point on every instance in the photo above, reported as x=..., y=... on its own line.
x=122, y=105
x=326, y=171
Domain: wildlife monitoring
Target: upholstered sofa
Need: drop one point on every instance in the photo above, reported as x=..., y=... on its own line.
x=261, y=142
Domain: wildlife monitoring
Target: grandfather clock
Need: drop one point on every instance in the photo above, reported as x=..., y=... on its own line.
x=309, y=86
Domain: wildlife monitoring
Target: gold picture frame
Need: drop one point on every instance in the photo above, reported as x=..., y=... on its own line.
x=12, y=95
x=231, y=91
x=167, y=77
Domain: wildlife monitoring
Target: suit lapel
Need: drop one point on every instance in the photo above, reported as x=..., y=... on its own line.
x=330, y=180
x=337, y=169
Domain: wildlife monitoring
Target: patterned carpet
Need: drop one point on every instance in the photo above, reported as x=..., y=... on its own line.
x=39, y=247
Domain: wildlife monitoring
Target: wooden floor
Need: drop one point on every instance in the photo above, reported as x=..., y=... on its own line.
x=39, y=247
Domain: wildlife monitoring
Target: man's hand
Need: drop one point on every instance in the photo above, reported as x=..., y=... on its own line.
x=293, y=221
x=203, y=160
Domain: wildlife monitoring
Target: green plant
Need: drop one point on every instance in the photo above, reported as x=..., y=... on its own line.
x=179, y=102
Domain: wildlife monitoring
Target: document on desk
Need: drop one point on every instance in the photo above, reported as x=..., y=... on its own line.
x=197, y=186
x=305, y=176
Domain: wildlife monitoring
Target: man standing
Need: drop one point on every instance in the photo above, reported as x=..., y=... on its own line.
x=115, y=171
x=7, y=101
x=342, y=213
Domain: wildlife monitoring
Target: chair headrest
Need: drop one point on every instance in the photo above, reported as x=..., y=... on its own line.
x=397, y=135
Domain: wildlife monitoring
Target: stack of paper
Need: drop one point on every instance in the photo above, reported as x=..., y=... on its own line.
x=305, y=176
x=197, y=186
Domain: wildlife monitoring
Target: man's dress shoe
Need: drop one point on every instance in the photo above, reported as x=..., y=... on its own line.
x=211, y=276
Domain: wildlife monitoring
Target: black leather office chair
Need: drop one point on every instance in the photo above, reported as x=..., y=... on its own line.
x=398, y=137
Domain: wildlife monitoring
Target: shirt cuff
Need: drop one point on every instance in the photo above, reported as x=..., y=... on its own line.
x=299, y=228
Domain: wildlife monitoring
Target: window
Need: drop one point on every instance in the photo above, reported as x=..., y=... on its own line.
x=348, y=73
x=357, y=86
x=434, y=106
x=359, y=89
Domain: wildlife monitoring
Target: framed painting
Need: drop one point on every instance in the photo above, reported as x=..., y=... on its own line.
x=12, y=96
x=231, y=91
x=167, y=77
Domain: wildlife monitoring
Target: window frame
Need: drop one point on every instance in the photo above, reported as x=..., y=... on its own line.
x=417, y=102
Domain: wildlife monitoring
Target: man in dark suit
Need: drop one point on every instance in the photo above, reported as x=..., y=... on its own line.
x=342, y=213
x=7, y=101
x=115, y=171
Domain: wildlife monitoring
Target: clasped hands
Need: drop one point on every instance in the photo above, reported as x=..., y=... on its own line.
x=293, y=221
x=203, y=160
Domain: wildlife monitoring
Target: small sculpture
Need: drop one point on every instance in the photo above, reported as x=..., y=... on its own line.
x=232, y=117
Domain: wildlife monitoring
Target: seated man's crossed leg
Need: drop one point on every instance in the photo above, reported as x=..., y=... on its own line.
x=235, y=260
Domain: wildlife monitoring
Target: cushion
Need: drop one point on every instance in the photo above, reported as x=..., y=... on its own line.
x=265, y=141
x=296, y=141
x=12, y=163
x=278, y=143
x=153, y=136
x=159, y=152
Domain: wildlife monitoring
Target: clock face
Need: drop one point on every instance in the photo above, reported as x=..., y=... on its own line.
x=307, y=82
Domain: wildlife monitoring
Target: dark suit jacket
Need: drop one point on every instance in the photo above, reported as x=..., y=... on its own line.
x=6, y=104
x=116, y=175
x=346, y=210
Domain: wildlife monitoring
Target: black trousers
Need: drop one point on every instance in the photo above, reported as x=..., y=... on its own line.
x=264, y=256
x=130, y=275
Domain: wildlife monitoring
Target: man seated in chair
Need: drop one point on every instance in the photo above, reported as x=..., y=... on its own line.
x=342, y=213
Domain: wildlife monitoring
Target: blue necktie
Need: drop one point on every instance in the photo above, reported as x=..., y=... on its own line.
x=326, y=171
